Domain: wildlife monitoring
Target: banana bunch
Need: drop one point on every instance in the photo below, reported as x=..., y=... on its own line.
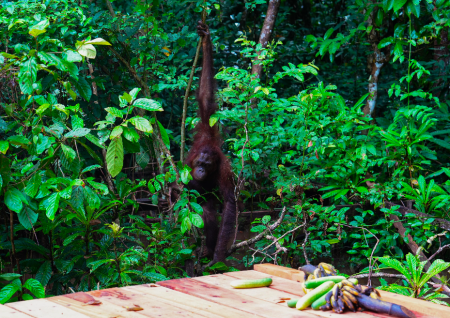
x=345, y=295
x=313, y=272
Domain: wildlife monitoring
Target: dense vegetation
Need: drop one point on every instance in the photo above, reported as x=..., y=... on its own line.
x=344, y=135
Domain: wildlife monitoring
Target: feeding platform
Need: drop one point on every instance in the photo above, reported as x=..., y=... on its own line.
x=207, y=296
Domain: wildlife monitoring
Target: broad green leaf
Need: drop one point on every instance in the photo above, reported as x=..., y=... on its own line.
x=398, y=4
x=130, y=134
x=77, y=133
x=51, y=205
x=35, y=287
x=114, y=156
x=87, y=50
x=116, y=132
x=27, y=218
x=134, y=92
x=90, y=168
x=114, y=111
x=148, y=104
x=68, y=152
x=328, y=33
x=4, y=146
x=72, y=56
x=197, y=207
x=186, y=225
x=98, y=41
x=141, y=124
x=196, y=220
x=39, y=28
x=164, y=135
x=44, y=273
x=13, y=200
x=7, y=292
x=83, y=88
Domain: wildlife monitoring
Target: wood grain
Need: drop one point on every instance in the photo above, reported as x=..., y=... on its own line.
x=200, y=305
x=151, y=307
x=42, y=308
x=232, y=299
x=6, y=311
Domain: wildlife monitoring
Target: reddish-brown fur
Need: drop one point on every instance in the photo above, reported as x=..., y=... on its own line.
x=207, y=141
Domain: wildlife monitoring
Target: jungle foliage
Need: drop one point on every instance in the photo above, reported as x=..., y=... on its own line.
x=348, y=128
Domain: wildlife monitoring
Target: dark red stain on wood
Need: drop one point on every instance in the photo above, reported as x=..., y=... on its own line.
x=112, y=292
x=81, y=297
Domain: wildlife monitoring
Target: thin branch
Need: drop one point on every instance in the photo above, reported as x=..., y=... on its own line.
x=258, y=237
x=304, y=247
x=369, y=282
x=438, y=251
x=379, y=275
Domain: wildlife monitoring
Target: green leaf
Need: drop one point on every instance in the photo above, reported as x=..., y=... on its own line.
x=13, y=200
x=115, y=112
x=398, y=4
x=197, y=207
x=328, y=33
x=7, y=292
x=35, y=287
x=164, y=135
x=12, y=276
x=4, y=146
x=90, y=168
x=83, y=88
x=99, y=186
x=116, y=132
x=148, y=104
x=27, y=218
x=388, y=5
x=114, y=156
x=141, y=124
x=98, y=41
x=39, y=28
x=134, y=92
x=333, y=241
x=186, y=225
x=87, y=50
x=51, y=205
x=72, y=56
x=77, y=133
x=69, y=153
x=44, y=273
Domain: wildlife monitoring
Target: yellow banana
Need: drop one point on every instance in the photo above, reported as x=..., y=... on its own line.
x=351, y=290
x=335, y=291
x=350, y=297
x=375, y=295
x=346, y=282
x=348, y=303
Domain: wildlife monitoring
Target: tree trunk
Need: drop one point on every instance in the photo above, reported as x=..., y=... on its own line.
x=441, y=53
x=375, y=62
x=266, y=32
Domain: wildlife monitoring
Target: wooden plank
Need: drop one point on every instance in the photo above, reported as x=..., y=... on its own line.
x=278, y=283
x=42, y=308
x=232, y=299
x=9, y=312
x=274, y=296
x=152, y=307
x=420, y=307
x=276, y=270
x=78, y=302
x=200, y=305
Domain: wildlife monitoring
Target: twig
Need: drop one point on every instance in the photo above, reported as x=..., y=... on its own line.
x=303, y=247
x=441, y=248
x=379, y=275
x=258, y=237
x=369, y=282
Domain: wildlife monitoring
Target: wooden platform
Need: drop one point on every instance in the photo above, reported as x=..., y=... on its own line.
x=207, y=296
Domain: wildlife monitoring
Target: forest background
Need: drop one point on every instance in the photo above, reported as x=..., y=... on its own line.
x=336, y=123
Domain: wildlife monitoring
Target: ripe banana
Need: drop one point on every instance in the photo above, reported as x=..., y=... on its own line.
x=350, y=290
x=350, y=297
